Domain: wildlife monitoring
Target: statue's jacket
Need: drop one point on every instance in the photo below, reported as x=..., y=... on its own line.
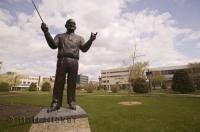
x=68, y=44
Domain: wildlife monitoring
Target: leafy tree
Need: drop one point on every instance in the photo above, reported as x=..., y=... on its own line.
x=137, y=70
x=12, y=80
x=4, y=87
x=46, y=86
x=157, y=79
x=89, y=88
x=181, y=82
x=140, y=86
x=33, y=87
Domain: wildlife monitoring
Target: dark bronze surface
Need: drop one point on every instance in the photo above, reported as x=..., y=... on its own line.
x=68, y=45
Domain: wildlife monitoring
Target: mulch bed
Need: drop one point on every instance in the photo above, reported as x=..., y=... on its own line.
x=17, y=110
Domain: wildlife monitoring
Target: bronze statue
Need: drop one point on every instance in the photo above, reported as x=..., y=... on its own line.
x=68, y=45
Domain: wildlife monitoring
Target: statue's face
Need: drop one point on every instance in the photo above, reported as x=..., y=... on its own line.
x=70, y=25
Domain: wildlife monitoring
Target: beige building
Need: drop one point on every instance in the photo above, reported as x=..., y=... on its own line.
x=115, y=76
x=121, y=75
x=26, y=80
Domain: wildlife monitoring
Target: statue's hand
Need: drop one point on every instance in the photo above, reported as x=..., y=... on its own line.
x=44, y=27
x=93, y=36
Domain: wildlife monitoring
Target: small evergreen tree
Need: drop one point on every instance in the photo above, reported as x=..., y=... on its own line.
x=181, y=82
x=33, y=87
x=140, y=86
x=4, y=87
x=46, y=86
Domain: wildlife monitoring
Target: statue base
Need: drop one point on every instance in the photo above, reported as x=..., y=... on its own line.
x=62, y=120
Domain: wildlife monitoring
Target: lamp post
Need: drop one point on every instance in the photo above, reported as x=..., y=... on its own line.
x=149, y=75
x=99, y=82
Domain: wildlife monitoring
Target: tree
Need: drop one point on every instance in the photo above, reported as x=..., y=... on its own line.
x=157, y=79
x=4, y=87
x=140, y=86
x=33, y=87
x=89, y=88
x=115, y=88
x=12, y=80
x=137, y=70
x=194, y=73
x=181, y=82
x=46, y=86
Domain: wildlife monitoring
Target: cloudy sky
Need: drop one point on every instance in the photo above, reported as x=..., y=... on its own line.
x=166, y=32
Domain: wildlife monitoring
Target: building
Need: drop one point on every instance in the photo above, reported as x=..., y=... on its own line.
x=25, y=82
x=115, y=76
x=82, y=80
x=169, y=71
x=120, y=76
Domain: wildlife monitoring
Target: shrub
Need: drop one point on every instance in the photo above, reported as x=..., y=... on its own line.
x=89, y=88
x=197, y=85
x=181, y=82
x=4, y=87
x=46, y=86
x=33, y=87
x=164, y=86
x=81, y=87
x=114, y=88
x=140, y=86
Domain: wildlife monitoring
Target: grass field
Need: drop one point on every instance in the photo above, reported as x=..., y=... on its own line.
x=158, y=112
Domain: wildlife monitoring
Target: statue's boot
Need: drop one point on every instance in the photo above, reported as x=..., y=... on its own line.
x=54, y=106
x=72, y=105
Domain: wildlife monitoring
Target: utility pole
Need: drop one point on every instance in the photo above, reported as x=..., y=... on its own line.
x=134, y=56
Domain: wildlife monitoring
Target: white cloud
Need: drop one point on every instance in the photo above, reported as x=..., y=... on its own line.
x=5, y=16
x=23, y=47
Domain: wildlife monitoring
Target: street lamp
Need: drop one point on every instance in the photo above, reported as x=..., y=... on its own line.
x=149, y=75
x=99, y=82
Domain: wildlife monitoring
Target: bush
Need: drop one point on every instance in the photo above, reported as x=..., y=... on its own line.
x=89, y=88
x=181, y=82
x=46, y=86
x=114, y=88
x=33, y=87
x=198, y=85
x=4, y=87
x=140, y=86
x=164, y=86
x=80, y=87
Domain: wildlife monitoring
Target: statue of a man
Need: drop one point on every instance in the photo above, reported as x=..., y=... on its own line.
x=68, y=45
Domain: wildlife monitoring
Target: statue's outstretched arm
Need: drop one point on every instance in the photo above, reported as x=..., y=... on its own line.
x=85, y=47
x=53, y=43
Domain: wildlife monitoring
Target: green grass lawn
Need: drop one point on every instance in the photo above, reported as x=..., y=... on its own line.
x=158, y=113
